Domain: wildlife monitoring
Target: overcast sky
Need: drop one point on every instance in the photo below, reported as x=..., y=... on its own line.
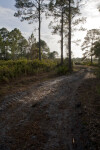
x=10, y=22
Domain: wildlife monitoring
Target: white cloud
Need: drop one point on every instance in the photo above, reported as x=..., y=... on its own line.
x=90, y=10
x=10, y=22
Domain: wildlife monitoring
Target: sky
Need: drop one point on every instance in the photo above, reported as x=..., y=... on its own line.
x=90, y=11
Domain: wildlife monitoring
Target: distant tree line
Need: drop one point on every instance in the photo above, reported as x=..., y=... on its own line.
x=13, y=45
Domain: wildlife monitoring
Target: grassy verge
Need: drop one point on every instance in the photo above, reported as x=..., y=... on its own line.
x=16, y=76
x=11, y=70
x=24, y=83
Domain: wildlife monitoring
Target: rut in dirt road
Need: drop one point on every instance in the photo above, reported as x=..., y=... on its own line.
x=43, y=118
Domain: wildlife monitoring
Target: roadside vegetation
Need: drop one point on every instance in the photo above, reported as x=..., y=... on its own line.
x=19, y=75
x=14, y=69
x=10, y=70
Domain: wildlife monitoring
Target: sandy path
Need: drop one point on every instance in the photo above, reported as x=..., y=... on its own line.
x=45, y=117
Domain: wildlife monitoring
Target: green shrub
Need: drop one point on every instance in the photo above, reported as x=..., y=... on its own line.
x=62, y=70
x=14, y=69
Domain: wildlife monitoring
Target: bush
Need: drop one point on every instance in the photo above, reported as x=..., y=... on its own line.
x=62, y=70
x=13, y=69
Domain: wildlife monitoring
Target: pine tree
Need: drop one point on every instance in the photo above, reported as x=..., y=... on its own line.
x=31, y=11
x=66, y=10
x=58, y=10
x=91, y=37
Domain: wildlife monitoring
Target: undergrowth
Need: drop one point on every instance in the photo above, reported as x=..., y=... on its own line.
x=62, y=70
x=14, y=69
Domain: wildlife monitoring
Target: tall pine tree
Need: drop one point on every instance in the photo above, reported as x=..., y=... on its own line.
x=31, y=11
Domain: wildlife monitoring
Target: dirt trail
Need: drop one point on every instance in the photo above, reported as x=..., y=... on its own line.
x=44, y=117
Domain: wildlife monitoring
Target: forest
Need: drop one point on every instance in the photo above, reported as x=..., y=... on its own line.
x=50, y=99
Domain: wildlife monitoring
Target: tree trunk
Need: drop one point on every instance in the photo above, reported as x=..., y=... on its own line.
x=69, y=39
x=91, y=60
x=62, y=38
x=5, y=54
x=91, y=52
x=39, y=32
x=91, y=56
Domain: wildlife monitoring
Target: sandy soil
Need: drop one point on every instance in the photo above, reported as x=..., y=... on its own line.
x=45, y=117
